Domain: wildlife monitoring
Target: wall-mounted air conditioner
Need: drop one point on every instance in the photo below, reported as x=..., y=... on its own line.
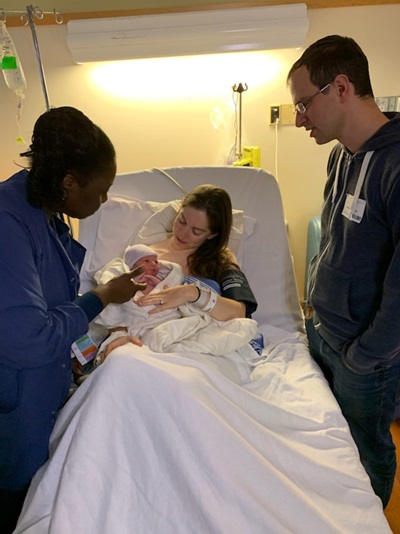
x=177, y=34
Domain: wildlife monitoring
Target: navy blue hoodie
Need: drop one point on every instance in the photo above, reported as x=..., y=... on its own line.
x=355, y=279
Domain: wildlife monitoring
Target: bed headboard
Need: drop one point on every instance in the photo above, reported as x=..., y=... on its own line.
x=266, y=258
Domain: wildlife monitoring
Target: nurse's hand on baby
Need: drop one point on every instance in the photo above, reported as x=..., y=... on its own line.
x=120, y=289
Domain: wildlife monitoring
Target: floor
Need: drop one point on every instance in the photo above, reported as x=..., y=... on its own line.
x=392, y=511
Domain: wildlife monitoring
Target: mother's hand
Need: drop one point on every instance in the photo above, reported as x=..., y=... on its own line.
x=168, y=298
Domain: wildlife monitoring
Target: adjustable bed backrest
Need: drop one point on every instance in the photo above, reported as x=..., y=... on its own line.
x=265, y=258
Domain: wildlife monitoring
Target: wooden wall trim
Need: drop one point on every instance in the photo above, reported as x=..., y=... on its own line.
x=311, y=4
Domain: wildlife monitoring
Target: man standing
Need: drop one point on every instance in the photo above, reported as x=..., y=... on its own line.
x=354, y=281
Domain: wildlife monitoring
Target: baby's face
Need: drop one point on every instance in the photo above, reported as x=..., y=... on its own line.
x=149, y=263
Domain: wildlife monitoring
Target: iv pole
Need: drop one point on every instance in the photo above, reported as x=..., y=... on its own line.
x=239, y=89
x=30, y=13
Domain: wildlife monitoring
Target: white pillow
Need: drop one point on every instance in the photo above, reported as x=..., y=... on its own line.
x=119, y=219
x=124, y=221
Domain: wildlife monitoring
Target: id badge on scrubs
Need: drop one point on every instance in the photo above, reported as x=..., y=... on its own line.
x=355, y=214
x=84, y=349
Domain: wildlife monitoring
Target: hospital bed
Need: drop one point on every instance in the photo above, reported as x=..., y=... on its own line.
x=186, y=442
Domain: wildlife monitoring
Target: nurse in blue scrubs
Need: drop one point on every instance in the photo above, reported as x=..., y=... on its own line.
x=71, y=166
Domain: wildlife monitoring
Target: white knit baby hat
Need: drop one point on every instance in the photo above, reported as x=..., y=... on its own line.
x=133, y=253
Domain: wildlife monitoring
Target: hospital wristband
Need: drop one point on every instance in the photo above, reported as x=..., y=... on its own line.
x=202, y=299
x=212, y=301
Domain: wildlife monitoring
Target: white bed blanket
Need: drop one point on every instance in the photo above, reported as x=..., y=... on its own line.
x=190, y=444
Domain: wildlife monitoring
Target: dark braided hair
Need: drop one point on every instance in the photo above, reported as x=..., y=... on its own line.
x=212, y=258
x=64, y=141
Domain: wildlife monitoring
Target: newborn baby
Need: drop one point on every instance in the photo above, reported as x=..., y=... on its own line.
x=142, y=255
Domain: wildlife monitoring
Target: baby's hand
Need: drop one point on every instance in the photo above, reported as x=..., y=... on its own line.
x=119, y=342
x=117, y=339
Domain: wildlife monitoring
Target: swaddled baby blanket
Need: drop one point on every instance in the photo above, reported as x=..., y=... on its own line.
x=179, y=329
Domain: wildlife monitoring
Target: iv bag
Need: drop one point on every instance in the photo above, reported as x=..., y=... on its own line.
x=10, y=64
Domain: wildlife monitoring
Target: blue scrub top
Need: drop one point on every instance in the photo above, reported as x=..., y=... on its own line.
x=39, y=320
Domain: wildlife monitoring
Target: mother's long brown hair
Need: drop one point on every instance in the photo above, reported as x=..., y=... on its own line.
x=212, y=258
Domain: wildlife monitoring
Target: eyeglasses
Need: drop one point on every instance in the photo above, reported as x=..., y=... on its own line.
x=301, y=107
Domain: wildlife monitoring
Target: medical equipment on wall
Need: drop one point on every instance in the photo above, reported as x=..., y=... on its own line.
x=248, y=156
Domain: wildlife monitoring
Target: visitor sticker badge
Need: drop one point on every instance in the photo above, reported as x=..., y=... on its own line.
x=354, y=211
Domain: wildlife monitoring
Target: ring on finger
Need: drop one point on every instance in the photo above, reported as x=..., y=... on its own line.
x=161, y=302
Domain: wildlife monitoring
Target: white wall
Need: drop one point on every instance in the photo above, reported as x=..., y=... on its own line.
x=180, y=111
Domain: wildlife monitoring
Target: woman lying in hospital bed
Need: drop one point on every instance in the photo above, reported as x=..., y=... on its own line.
x=176, y=317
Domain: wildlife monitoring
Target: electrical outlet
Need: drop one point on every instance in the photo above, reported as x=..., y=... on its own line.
x=282, y=114
x=274, y=114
